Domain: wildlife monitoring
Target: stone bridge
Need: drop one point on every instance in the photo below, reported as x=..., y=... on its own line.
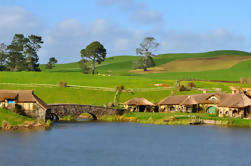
x=59, y=111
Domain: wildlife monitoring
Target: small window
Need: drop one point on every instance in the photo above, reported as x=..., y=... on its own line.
x=172, y=108
x=11, y=101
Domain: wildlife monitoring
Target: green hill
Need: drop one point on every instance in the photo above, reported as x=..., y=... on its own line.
x=114, y=71
x=168, y=63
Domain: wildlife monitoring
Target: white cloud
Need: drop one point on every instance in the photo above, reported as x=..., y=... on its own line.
x=147, y=16
x=17, y=20
x=65, y=40
x=140, y=12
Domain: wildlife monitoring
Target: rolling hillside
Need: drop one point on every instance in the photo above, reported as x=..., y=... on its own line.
x=99, y=89
x=188, y=65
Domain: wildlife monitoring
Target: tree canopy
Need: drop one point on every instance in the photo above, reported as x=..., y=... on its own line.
x=94, y=52
x=21, y=54
x=147, y=46
x=51, y=63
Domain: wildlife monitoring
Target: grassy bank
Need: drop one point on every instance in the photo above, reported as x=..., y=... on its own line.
x=12, y=117
x=177, y=118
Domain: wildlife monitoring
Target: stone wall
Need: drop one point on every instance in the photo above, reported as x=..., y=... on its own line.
x=74, y=110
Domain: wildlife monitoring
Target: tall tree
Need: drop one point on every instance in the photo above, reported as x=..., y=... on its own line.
x=3, y=55
x=147, y=46
x=16, y=58
x=31, y=48
x=94, y=52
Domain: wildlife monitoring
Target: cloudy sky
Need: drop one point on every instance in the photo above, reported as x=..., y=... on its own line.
x=67, y=26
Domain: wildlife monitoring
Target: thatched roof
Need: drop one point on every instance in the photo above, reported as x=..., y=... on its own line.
x=172, y=100
x=138, y=102
x=235, y=101
x=184, y=99
x=219, y=98
x=222, y=100
x=190, y=100
x=22, y=96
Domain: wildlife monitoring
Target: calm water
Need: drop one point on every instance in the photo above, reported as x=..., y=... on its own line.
x=125, y=144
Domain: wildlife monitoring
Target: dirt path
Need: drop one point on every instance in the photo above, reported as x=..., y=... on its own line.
x=90, y=87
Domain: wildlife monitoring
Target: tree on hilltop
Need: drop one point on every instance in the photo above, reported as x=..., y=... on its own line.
x=147, y=46
x=51, y=63
x=94, y=52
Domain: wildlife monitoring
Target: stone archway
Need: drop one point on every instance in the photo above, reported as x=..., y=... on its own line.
x=53, y=116
x=94, y=117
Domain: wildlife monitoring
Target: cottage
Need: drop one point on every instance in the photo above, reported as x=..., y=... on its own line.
x=24, y=102
x=210, y=104
x=171, y=103
x=235, y=105
x=225, y=104
x=182, y=103
x=139, y=105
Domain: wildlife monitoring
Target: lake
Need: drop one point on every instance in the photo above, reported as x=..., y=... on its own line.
x=126, y=144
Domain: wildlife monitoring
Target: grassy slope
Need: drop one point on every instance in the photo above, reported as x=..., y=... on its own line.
x=11, y=117
x=199, y=64
x=119, y=68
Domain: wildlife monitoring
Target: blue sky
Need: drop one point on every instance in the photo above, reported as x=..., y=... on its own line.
x=179, y=26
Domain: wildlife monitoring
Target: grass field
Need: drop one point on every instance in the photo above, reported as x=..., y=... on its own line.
x=98, y=89
x=198, y=64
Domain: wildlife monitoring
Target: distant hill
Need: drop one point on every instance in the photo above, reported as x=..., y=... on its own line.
x=178, y=62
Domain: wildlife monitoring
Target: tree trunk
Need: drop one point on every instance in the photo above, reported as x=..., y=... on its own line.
x=145, y=63
x=93, y=66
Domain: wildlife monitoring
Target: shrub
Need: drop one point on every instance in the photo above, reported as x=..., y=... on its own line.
x=62, y=84
x=249, y=80
x=48, y=123
x=84, y=66
x=183, y=88
x=191, y=85
x=243, y=80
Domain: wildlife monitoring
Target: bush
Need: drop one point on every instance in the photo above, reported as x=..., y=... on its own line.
x=191, y=85
x=84, y=66
x=183, y=88
x=249, y=80
x=243, y=80
x=48, y=66
x=62, y=84
x=139, y=63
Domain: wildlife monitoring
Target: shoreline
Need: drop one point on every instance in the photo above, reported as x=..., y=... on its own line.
x=176, y=119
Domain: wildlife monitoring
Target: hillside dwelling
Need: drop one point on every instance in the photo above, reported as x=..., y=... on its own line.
x=24, y=102
x=171, y=103
x=139, y=105
x=183, y=103
x=223, y=104
x=235, y=105
x=210, y=104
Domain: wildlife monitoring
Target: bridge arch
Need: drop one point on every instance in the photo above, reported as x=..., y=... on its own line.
x=74, y=110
